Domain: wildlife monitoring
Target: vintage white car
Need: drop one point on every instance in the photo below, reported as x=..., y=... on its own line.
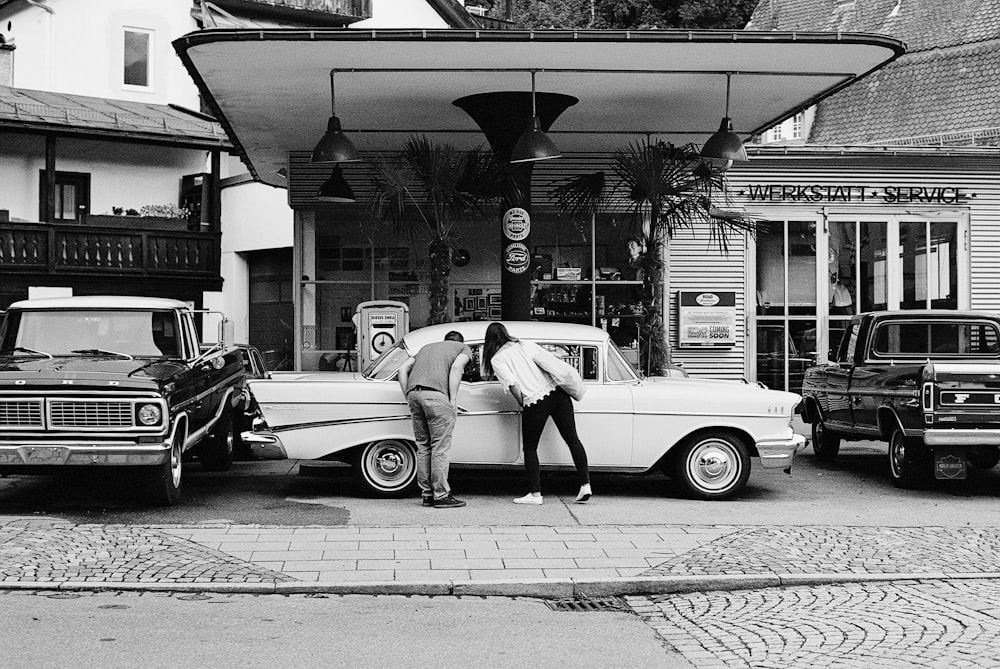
x=702, y=433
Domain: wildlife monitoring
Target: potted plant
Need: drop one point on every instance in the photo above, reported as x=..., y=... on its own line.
x=661, y=188
x=428, y=189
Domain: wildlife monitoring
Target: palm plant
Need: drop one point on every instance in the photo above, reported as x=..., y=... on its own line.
x=427, y=190
x=662, y=188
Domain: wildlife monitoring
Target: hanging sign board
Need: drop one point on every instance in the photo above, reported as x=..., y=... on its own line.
x=706, y=318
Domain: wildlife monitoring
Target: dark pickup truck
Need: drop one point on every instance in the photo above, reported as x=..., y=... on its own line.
x=115, y=382
x=925, y=382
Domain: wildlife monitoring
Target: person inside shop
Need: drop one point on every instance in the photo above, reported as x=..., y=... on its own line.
x=513, y=363
x=430, y=382
x=841, y=301
x=633, y=269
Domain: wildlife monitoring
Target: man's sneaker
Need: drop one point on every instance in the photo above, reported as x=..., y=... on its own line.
x=529, y=499
x=427, y=500
x=448, y=502
x=584, y=494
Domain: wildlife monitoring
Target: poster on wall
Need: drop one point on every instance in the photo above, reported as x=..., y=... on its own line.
x=706, y=318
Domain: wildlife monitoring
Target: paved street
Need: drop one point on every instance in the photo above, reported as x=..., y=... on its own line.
x=831, y=566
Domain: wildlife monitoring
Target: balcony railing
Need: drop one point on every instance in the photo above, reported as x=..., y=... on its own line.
x=106, y=251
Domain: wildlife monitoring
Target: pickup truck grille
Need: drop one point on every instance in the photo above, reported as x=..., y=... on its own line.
x=69, y=414
x=21, y=413
x=75, y=414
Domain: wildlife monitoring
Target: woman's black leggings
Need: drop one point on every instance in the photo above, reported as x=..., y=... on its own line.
x=559, y=405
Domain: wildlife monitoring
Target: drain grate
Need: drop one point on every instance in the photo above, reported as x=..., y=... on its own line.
x=589, y=604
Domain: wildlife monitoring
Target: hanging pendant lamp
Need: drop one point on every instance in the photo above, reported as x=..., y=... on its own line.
x=534, y=144
x=336, y=188
x=334, y=146
x=725, y=145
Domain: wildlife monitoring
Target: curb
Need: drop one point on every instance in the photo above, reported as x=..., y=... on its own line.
x=553, y=588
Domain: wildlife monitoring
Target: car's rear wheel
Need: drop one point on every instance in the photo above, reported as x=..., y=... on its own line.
x=386, y=468
x=712, y=465
x=825, y=442
x=217, y=451
x=910, y=461
x=162, y=485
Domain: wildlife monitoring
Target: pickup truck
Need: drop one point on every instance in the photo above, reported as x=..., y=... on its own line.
x=925, y=382
x=116, y=382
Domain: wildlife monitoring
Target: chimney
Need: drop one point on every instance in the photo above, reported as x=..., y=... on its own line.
x=6, y=63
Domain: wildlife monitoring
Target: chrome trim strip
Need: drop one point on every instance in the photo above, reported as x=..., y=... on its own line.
x=962, y=437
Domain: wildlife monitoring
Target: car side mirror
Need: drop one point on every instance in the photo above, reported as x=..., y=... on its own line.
x=227, y=333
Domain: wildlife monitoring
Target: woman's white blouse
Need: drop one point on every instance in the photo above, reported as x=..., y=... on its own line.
x=514, y=364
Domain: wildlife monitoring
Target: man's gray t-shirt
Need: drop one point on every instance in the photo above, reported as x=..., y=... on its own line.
x=432, y=365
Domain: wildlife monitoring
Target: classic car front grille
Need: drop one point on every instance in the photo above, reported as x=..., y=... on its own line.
x=17, y=413
x=75, y=413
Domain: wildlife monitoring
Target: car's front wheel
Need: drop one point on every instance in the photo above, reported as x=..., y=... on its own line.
x=910, y=461
x=825, y=442
x=386, y=468
x=712, y=465
x=217, y=451
x=162, y=485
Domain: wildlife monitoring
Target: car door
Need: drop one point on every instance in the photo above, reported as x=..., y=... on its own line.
x=488, y=429
x=604, y=417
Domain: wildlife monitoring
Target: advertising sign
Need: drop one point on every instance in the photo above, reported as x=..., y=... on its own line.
x=516, y=224
x=706, y=318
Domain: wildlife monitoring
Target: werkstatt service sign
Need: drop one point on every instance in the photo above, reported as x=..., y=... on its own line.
x=706, y=318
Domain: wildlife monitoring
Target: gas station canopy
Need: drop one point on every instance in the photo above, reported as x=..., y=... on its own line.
x=271, y=89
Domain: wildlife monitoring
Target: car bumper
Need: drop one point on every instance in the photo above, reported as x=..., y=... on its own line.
x=962, y=437
x=57, y=452
x=264, y=445
x=779, y=453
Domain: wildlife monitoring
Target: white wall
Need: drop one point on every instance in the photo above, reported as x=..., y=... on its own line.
x=78, y=48
x=152, y=174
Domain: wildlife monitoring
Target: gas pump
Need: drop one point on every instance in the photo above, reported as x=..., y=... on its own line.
x=381, y=323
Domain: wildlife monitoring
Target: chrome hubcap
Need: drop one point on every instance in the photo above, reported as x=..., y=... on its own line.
x=714, y=465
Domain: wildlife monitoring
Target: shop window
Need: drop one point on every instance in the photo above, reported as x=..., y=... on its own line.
x=138, y=50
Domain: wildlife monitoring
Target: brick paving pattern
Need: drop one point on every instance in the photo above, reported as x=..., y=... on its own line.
x=841, y=550
x=47, y=552
x=857, y=626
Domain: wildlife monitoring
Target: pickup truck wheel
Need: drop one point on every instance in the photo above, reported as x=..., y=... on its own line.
x=386, y=468
x=910, y=462
x=825, y=442
x=163, y=484
x=712, y=465
x=217, y=451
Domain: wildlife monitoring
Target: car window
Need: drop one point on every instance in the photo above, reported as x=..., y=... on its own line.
x=472, y=373
x=583, y=358
x=386, y=365
x=914, y=339
x=851, y=343
x=618, y=368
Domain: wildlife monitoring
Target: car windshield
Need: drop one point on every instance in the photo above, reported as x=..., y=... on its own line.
x=385, y=366
x=129, y=333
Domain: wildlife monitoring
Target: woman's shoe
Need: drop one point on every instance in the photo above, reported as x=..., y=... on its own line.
x=530, y=498
x=584, y=495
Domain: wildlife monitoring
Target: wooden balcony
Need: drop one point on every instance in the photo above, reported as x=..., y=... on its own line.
x=98, y=251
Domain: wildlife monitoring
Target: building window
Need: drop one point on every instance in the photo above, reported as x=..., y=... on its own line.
x=776, y=133
x=797, y=125
x=138, y=53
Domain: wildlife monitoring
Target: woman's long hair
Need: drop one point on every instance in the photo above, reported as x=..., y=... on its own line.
x=496, y=337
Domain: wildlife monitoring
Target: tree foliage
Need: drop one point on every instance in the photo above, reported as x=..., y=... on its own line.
x=624, y=14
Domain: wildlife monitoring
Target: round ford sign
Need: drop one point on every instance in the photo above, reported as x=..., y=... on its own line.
x=515, y=258
x=516, y=224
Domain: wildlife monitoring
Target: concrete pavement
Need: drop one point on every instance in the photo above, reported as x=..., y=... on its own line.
x=541, y=561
